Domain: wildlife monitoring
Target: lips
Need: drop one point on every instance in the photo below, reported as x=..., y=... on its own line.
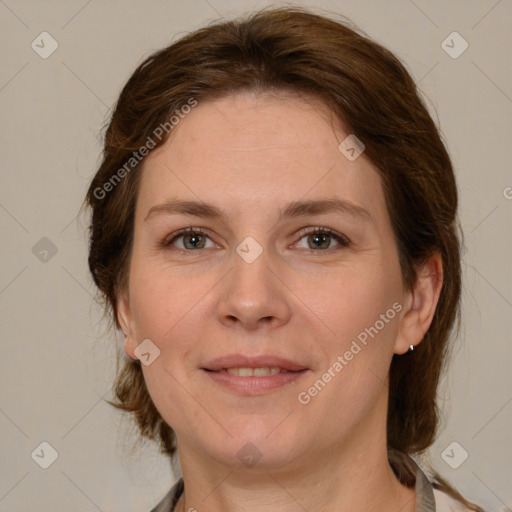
x=245, y=363
x=253, y=375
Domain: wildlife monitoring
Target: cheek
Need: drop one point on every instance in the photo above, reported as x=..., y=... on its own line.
x=362, y=311
x=170, y=310
x=166, y=311
x=350, y=302
x=160, y=301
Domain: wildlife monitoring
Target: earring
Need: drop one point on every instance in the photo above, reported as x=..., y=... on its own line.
x=411, y=348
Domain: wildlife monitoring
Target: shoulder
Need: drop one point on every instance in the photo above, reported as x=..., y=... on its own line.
x=445, y=503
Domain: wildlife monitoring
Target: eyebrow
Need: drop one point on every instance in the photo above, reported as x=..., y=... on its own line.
x=291, y=210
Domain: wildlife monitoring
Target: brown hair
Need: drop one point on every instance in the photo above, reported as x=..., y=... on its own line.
x=375, y=98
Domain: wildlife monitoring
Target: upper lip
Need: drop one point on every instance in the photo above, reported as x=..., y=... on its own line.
x=263, y=361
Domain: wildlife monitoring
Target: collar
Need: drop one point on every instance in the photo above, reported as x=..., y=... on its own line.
x=410, y=473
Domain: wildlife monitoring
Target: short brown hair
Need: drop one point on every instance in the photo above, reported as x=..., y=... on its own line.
x=375, y=98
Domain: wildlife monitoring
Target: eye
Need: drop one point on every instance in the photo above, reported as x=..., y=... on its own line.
x=190, y=239
x=320, y=239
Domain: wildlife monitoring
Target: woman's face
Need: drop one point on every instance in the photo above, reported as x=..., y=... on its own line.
x=270, y=339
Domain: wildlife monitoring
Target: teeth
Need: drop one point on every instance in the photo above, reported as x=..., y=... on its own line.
x=254, y=372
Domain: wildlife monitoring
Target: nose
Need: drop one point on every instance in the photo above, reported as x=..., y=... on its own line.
x=254, y=295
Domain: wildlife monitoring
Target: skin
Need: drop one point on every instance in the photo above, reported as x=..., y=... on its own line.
x=250, y=155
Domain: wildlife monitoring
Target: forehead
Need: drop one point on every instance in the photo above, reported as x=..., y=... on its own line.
x=258, y=152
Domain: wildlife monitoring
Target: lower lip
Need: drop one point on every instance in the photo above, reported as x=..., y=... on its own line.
x=254, y=385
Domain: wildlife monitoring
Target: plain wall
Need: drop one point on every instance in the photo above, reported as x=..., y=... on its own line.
x=57, y=365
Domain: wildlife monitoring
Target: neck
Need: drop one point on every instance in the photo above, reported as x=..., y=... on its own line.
x=354, y=475
x=317, y=488
x=363, y=481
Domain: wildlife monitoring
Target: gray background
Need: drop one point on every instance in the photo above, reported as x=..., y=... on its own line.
x=57, y=364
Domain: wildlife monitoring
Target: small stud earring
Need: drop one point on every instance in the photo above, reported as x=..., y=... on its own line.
x=411, y=348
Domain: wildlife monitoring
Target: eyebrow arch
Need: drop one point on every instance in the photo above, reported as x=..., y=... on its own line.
x=292, y=210
x=329, y=205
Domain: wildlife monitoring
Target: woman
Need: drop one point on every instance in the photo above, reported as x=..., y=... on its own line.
x=274, y=229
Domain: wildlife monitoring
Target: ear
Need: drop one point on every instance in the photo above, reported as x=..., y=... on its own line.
x=124, y=318
x=420, y=305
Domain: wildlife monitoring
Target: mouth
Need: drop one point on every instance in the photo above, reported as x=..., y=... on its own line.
x=254, y=372
x=253, y=375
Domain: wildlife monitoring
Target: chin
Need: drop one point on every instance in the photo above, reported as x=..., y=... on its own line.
x=258, y=447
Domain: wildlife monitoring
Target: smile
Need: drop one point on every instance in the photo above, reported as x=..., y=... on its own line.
x=253, y=375
x=254, y=372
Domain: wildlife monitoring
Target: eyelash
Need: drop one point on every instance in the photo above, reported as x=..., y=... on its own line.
x=341, y=239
